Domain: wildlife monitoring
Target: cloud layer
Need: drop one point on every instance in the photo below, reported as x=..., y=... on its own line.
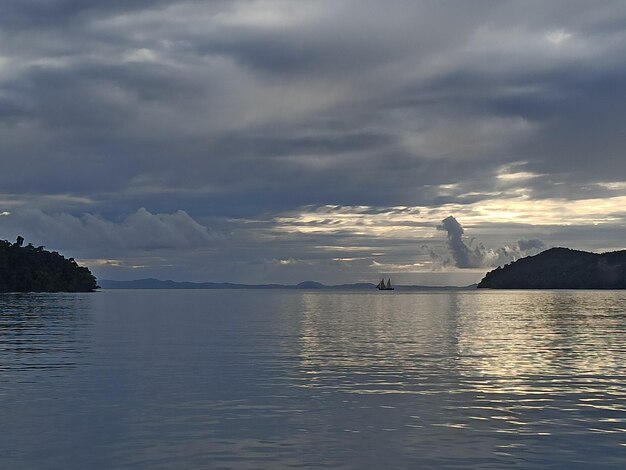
x=247, y=115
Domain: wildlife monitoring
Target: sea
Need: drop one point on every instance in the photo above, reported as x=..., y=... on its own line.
x=289, y=379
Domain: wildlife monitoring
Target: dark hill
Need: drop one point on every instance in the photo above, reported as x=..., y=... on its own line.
x=561, y=268
x=30, y=269
x=310, y=285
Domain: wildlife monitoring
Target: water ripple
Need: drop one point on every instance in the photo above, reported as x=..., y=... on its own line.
x=209, y=379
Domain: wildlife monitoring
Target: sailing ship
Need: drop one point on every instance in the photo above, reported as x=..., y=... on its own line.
x=382, y=286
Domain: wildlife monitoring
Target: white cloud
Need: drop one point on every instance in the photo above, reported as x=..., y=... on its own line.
x=613, y=185
x=141, y=55
x=418, y=267
x=512, y=172
x=141, y=230
x=557, y=37
x=268, y=14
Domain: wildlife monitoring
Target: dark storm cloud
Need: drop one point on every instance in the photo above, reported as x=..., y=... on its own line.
x=244, y=109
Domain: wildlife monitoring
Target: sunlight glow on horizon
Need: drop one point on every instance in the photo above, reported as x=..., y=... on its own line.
x=419, y=221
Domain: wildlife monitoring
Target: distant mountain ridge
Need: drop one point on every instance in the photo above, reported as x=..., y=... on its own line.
x=152, y=283
x=561, y=268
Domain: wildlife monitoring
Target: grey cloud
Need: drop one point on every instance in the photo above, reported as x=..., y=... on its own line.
x=53, y=13
x=465, y=255
x=533, y=243
x=148, y=114
x=212, y=108
x=140, y=231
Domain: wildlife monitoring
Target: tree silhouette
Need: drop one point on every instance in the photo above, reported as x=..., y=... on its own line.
x=30, y=269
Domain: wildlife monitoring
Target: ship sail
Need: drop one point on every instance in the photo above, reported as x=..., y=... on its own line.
x=382, y=286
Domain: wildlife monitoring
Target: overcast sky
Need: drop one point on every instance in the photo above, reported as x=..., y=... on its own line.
x=279, y=141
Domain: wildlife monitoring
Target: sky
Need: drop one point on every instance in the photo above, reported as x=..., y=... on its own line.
x=339, y=141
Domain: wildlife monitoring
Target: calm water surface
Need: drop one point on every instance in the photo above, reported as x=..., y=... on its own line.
x=287, y=379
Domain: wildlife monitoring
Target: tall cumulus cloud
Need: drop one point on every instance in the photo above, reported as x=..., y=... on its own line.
x=468, y=255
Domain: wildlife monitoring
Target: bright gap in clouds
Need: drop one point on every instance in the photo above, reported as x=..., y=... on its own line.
x=558, y=36
x=418, y=221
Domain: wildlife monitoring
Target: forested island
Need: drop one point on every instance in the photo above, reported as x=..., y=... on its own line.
x=561, y=268
x=33, y=269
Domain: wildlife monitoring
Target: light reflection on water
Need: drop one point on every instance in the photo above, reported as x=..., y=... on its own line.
x=277, y=379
